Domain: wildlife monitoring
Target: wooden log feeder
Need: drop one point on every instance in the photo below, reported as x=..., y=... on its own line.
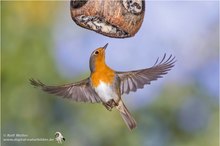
x=112, y=18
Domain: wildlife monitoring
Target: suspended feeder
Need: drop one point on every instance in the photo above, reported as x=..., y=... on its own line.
x=112, y=18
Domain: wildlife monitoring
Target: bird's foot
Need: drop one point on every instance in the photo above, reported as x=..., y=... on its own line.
x=110, y=104
x=107, y=106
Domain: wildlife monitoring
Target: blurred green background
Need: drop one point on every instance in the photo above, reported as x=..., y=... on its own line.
x=183, y=112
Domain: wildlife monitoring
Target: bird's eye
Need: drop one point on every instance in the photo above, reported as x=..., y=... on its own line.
x=96, y=52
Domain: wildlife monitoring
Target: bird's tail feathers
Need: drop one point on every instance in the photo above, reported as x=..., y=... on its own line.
x=126, y=116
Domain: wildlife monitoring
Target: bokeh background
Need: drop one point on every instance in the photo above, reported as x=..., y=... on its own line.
x=40, y=40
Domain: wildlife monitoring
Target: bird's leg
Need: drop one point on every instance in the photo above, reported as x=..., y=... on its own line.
x=112, y=103
x=107, y=106
x=116, y=101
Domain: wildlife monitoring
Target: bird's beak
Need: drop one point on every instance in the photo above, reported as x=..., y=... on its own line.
x=105, y=46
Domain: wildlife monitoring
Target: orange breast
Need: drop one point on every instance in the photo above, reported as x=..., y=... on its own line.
x=104, y=74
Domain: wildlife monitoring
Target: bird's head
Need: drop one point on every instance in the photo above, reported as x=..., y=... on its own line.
x=57, y=134
x=97, y=58
x=59, y=137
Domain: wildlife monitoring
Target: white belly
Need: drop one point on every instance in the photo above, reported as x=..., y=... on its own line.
x=105, y=92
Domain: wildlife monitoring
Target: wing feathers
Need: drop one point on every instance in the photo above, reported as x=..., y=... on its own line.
x=81, y=91
x=133, y=80
x=130, y=81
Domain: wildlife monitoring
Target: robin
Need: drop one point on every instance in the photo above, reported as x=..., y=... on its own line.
x=106, y=85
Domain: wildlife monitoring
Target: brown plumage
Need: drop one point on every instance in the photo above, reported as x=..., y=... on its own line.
x=106, y=85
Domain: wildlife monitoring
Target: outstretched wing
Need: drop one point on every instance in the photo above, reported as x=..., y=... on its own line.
x=133, y=80
x=80, y=91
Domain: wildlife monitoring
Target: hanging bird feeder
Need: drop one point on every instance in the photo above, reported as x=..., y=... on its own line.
x=112, y=18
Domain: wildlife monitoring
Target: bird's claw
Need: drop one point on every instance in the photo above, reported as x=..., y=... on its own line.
x=107, y=106
x=110, y=104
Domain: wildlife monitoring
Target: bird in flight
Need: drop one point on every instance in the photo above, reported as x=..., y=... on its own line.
x=104, y=85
